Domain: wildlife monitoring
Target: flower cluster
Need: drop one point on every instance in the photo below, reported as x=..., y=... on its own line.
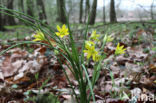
x=119, y=49
x=90, y=47
x=91, y=52
x=39, y=36
x=94, y=36
x=62, y=31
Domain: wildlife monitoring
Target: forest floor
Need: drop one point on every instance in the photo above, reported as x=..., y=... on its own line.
x=31, y=73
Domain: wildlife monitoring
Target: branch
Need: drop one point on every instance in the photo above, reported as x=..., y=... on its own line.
x=143, y=7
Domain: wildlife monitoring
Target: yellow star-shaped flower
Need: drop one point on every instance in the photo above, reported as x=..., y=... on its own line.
x=62, y=31
x=94, y=36
x=39, y=36
x=119, y=49
x=88, y=44
x=91, y=52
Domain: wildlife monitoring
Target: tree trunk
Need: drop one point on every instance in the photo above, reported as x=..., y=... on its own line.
x=1, y=23
x=41, y=8
x=1, y=19
x=81, y=11
x=93, y=13
x=30, y=8
x=61, y=11
x=10, y=19
x=21, y=9
x=87, y=9
x=104, y=13
x=152, y=16
x=21, y=6
x=112, y=12
x=58, y=10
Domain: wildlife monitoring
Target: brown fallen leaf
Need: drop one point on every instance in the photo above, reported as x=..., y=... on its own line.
x=8, y=68
x=136, y=53
x=152, y=68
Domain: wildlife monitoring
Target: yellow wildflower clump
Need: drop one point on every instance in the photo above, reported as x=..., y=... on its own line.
x=108, y=38
x=39, y=36
x=94, y=36
x=91, y=52
x=62, y=31
x=119, y=49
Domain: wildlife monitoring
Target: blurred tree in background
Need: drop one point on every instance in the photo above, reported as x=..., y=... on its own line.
x=152, y=15
x=21, y=6
x=112, y=11
x=61, y=11
x=41, y=8
x=54, y=11
x=1, y=19
x=87, y=9
x=104, y=12
x=93, y=13
x=81, y=11
x=30, y=7
x=10, y=19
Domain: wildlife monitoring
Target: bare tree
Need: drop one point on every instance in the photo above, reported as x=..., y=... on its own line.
x=1, y=24
x=42, y=13
x=87, y=9
x=81, y=11
x=1, y=19
x=10, y=19
x=93, y=13
x=30, y=8
x=61, y=11
x=21, y=5
x=104, y=13
x=112, y=12
x=152, y=15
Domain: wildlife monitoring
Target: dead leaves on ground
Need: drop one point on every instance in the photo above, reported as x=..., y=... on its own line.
x=19, y=67
x=135, y=69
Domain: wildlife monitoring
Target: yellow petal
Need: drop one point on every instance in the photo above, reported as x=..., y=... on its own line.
x=57, y=33
x=89, y=55
x=36, y=39
x=64, y=26
x=58, y=28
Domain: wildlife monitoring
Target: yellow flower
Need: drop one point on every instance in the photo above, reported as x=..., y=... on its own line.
x=39, y=36
x=119, y=49
x=91, y=52
x=89, y=44
x=94, y=36
x=108, y=38
x=62, y=31
x=97, y=58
